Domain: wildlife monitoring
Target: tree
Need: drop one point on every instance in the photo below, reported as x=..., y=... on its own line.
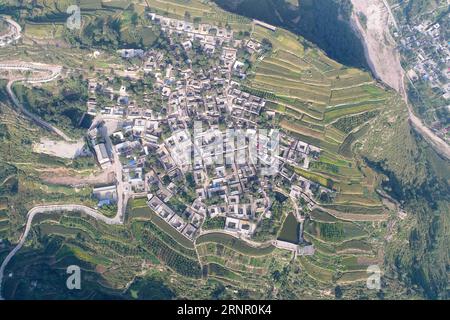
x=197, y=20
x=134, y=18
x=266, y=45
x=218, y=292
x=338, y=292
x=190, y=180
x=187, y=16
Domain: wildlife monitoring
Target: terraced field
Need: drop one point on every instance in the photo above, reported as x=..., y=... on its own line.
x=206, y=12
x=238, y=266
x=235, y=243
x=323, y=103
x=316, y=99
x=119, y=252
x=343, y=249
x=4, y=223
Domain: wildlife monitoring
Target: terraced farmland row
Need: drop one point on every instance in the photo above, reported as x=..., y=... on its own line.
x=323, y=103
x=4, y=223
x=343, y=249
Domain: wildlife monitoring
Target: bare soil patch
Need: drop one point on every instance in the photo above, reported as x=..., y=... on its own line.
x=66, y=177
x=379, y=45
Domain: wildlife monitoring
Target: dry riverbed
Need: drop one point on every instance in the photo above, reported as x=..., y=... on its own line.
x=379, y=45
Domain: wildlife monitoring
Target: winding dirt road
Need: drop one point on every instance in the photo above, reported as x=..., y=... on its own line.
x=48, y=209
x=438, y=144
x=54, y=72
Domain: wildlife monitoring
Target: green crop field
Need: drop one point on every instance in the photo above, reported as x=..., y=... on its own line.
x=367, y=150
x=234, y=243
x=353, y=276
x=315, y=271
x=354, y=245
x=147, y=213
x=320, y=102
x=322, y=216
x=336, y=232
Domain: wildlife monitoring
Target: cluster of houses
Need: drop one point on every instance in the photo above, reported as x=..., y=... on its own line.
x=106, y=195
x=223, y=166
x=245, y=108
x=431, y=51
x=298, y=153
x=208, y=35
x=427, y=50
x=187, y=224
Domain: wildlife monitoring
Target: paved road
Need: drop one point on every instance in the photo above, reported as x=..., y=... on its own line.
x=47, y=209
x=122, y=194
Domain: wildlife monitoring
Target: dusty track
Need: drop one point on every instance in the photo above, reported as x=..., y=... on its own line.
x=54, y=72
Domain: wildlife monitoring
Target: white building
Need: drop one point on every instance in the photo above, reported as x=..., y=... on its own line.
x=102, y=155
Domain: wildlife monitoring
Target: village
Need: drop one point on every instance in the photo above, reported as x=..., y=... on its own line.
x=426, y=50
x=188, y=147
x=202, y=156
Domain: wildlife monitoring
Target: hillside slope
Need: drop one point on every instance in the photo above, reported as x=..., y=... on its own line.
x=323, y=22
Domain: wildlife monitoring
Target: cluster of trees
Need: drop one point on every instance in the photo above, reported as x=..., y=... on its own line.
x=419, y=179
x=63, y=105
x=50, y=276
x=109, y=210
x=150, y=227
x=258, y=93
x=4, y=132
x=268, y=228
x=102, y=31
x=429, y=103
x=199, y=59
x=32, y=11
x=213, y=200
x=9, y=182
x=425, y=261
x=114, y=32
x=151, y=288
x=266, y=45
x=415, y=8
x=329, y=167
x=214, y=223
x=347, y=124
x=220, y=271
x=176, y=205
x=79, y=223
x=176, y=261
